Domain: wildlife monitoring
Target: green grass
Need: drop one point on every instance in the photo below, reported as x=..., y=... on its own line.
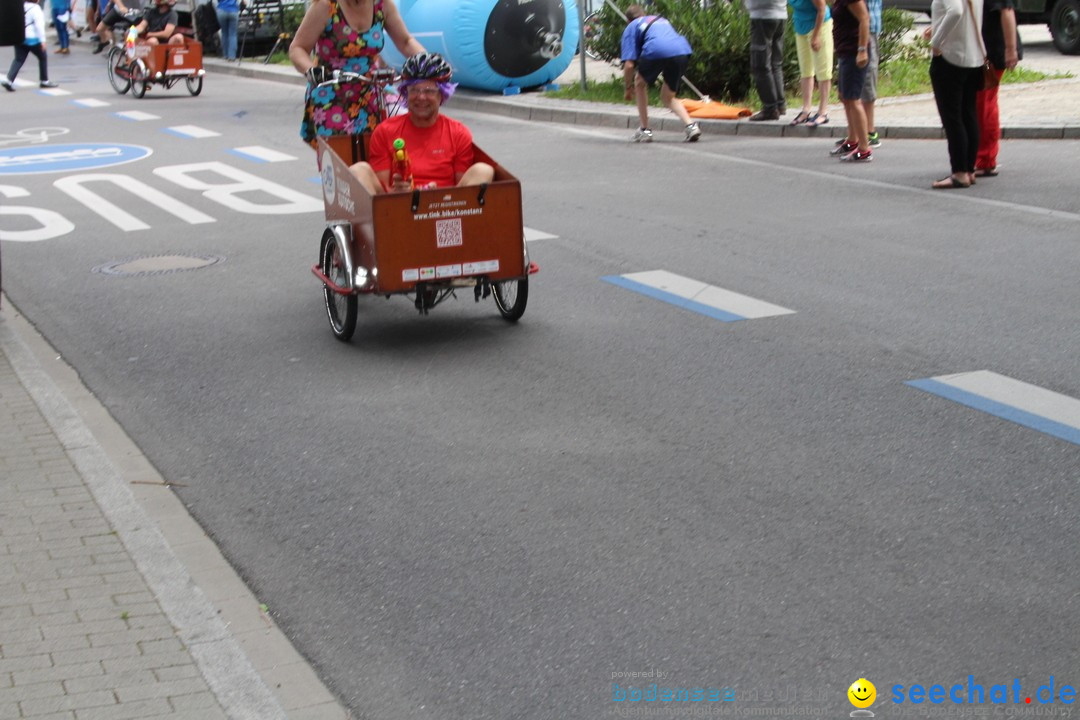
x=906, y=75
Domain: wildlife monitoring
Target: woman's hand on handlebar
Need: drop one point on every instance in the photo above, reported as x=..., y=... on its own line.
x=318, y=74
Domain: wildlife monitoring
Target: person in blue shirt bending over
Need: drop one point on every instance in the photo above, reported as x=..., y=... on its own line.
x=651, y=46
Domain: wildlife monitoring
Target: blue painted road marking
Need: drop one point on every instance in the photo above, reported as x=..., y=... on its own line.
x=1013, y=400
x=697, y=296
x=68, y=158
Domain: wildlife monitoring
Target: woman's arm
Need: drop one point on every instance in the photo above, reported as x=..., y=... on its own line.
x=309, y=32
x=815, y=34
x=945, y=15
x=406, y=44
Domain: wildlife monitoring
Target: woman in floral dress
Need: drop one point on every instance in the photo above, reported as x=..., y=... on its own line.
x=344, y=35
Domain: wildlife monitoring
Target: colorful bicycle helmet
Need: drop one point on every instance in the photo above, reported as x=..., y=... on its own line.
x=427, y=66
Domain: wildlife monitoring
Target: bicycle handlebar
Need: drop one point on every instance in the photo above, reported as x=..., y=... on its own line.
x=379, y=76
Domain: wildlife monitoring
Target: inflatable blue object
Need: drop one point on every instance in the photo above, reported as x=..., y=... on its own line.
x=494, y=44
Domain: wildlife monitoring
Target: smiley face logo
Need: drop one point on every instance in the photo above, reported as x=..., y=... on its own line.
x=862, y=693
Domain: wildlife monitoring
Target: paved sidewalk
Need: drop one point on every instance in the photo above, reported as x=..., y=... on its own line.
x=1049, y=109
x=113, y=603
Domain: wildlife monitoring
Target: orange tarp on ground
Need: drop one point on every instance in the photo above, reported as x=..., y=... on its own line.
x=713, y=109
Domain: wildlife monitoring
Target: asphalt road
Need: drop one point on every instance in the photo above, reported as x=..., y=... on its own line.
x=454, y=517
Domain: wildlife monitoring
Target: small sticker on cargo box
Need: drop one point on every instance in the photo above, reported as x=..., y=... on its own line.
x=427, y=273
x=445, y=271
x=411, y=275
x=478, y=268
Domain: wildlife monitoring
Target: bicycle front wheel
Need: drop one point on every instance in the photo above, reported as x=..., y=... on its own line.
x=592, y=35
x=119, y=77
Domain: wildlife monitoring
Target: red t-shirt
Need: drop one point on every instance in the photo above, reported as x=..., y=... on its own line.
x=437, y=153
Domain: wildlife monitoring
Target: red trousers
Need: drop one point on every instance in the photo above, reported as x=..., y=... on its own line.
x=986, y=109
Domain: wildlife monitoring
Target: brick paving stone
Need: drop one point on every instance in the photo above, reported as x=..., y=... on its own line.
x=176, y=672
x=29, y=662
x=58, y=672
x=84, y=629
x=142, y=636
x=34, y=691
x=171, y=688
x=103, y=653
x=205, y=714
x=40, y=706
x=113, y=681
x=149, y=662
x=189, y=703
x=128, y=711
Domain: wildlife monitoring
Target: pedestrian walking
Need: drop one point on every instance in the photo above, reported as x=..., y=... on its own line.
x=767, y=21
x=33, y=42
x=651, y=47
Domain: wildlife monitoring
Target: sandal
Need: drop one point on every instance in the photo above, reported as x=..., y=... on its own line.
x=949, y=183
x=801, y=118
x=818, y=120
x=986, y=172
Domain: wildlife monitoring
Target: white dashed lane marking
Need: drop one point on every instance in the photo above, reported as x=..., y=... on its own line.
x=259, y=153
x=533, y=234
x=697, y=296
x=192, y=131
x=137, y=115
x=90, y=103
x=1014, y=400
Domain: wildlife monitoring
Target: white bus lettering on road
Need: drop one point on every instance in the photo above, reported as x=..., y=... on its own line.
x=283, y=201
x=228, y=194
x=75, y=186
x=53, y=224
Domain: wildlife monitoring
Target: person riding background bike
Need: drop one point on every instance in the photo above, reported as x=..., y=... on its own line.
x=117, y=11
x=440, y=148
x=344, y=35
x=158, y=24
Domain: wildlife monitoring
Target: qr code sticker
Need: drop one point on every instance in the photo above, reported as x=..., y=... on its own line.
x=448, y=232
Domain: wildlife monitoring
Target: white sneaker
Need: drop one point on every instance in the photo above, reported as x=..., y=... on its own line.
x=642, y=135
x=7, y=84
x=693, y=132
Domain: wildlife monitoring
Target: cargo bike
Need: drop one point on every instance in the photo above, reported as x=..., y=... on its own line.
x=425, y=244
x=137, y=66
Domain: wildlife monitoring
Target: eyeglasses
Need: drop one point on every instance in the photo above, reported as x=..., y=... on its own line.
x=424, y=92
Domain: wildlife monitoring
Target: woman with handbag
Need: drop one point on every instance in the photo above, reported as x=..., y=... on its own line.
x=956, y=72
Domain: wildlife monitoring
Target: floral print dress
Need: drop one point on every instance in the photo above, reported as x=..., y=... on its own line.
x=344, y=108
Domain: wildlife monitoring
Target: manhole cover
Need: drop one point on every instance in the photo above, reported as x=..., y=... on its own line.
x=158, y=264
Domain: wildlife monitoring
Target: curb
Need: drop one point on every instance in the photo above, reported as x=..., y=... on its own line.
x=536, y=108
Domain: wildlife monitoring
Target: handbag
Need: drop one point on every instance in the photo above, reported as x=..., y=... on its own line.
x=990, y=79
x=63, y=17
